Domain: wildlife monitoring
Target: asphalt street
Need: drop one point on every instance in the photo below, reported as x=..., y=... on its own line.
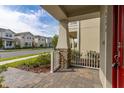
x=22, y=52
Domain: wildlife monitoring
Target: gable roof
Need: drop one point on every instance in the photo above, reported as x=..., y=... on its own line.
x=38, y=36
x=3, y=30
x=23, y=33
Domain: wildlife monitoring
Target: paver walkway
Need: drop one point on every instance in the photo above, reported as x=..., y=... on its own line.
x=74, y=78
x=19, y=59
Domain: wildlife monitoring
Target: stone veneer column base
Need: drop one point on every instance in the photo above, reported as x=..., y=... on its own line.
x=65, y=58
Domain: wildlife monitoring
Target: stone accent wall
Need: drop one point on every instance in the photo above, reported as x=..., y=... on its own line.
x=65, y=58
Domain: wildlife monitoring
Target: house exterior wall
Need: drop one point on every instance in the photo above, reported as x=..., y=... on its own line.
x=7, y=34
x=40, y=41
x=105, y=72
x=102, y=45
x=26, y=38
x=48, y=41
x=90, y=35
x=109, y=47
x=7, y=37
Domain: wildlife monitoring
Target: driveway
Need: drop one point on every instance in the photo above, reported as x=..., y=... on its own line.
x=22, y=52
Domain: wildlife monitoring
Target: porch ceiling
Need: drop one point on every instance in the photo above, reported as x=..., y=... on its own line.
x=73, y=12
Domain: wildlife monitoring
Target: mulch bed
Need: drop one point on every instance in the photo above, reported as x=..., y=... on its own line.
x=40, y=69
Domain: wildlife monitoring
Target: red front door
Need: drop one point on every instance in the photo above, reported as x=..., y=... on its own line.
x=118, y=46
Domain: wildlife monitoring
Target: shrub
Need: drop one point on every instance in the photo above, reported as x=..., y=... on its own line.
x=43, y=59
x=2, y=68
x=17, y=46
x=1, y=80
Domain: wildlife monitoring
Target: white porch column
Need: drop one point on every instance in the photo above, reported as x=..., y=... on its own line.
x=4, y=43
x=78, y=37
x=52, y=62
x=73, y=43
x=63, y=45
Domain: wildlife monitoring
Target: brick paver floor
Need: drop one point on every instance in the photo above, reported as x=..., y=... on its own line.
x=72, y=78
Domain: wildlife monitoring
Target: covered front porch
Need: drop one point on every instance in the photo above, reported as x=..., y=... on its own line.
x=8, y=43
x=62, y=57
x=71, y=70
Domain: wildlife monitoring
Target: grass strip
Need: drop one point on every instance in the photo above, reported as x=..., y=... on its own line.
x=19, y=63
x=42, y=59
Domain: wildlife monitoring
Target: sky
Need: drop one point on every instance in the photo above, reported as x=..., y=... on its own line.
x=28, y=18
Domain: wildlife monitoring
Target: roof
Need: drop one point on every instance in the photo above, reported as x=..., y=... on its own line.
x=49, y=37
x=7, y=39
x=3, y=29
x=38, y=36
x=18, y=34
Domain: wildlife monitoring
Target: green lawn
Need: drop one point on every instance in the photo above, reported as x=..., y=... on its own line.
x=19, y=63
x=16, y=57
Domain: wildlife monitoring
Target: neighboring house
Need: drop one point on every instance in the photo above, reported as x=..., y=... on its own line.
x=48, y=41
x=24, y=39
x=7, y=37
x=40, y=41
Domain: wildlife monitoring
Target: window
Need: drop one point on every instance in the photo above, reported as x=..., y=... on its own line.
x=29, y=44
x=8, y=43
x=6, y=34
x=26, y=44
x=10, y=35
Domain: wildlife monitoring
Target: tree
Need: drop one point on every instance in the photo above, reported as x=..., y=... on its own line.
x=1, y=43
x=54, y=41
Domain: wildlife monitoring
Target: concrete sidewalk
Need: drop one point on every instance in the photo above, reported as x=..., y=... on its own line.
x=19, y=59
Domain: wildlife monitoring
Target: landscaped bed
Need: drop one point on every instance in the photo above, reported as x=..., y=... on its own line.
x=38, y=64
x=39, y=69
